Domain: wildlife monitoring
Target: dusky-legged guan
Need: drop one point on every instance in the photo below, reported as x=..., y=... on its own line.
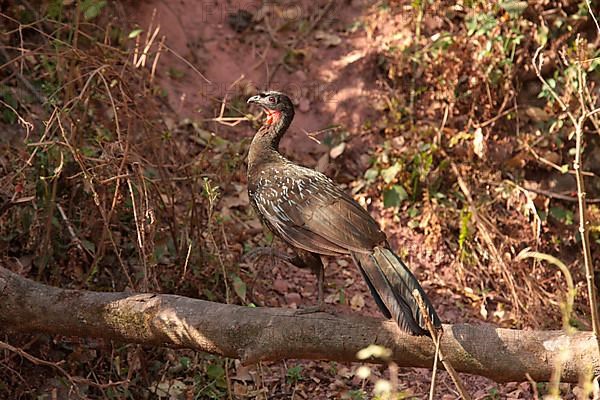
x=316, y=218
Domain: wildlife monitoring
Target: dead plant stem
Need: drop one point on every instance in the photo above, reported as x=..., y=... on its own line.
x=415, y=61
x=583, y=221
x=436, y=336
x=578, y=123
x=583, y=229
x=57, y=365
x=484, y=227
x=140, y=234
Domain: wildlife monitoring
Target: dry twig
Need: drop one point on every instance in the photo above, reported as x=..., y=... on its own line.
x=57, y=365
x=436, y=336
x=578, y=123
x=487, y=238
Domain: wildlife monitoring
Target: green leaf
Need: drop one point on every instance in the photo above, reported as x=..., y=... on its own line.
x=465, y=218
x=561, y=214
x=371, y=174
x=414, y=223
x=185, y=362
x=135, y=33
x=90, y=246
x=541, y=35
x=342, y=296
x=480, y=24
x=394, y=196
x=389, y=174
x=91, y=8
x=239, y=287
x=294, y=374
x=215, y=371
x=413, y=212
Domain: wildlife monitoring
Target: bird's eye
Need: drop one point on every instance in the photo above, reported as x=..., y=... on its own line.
x=271, y=99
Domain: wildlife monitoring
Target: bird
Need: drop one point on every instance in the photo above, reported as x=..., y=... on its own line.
x=317, y=219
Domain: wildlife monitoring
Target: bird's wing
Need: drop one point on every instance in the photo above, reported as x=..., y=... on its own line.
x=310, y=211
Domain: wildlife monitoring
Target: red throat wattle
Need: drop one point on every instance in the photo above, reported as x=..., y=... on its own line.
x=272, y=116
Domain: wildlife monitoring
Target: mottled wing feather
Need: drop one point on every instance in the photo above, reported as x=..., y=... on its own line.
x=297, y=236
x=345, y=222
x=308, y=210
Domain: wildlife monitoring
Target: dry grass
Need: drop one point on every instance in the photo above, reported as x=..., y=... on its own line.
x=479, y=125
x=109, y=191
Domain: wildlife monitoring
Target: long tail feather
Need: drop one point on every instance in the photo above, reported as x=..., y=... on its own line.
x=391, y=284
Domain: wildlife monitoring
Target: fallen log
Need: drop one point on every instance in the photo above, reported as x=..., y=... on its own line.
x=255, y=334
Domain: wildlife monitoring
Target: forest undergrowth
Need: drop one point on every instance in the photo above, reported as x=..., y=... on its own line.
x=104, y=186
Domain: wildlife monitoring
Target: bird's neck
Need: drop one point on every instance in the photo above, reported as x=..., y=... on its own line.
x=265, y=144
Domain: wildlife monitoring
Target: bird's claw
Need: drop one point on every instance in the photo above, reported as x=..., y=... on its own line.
x=321, y=308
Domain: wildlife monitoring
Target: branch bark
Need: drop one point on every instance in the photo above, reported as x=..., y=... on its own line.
x=255, y=334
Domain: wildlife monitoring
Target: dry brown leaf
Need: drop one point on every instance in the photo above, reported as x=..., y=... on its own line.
x=242, y=373
x=331, y=298
x=323, y=163
x=537, y=114
x=357, y=302
x=328, y=39
x=479, y=145
x=483, y=311
x=337, y=151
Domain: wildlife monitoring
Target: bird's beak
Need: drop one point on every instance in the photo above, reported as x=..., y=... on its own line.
x=254, y=99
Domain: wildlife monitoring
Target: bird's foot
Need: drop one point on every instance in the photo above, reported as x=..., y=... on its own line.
x=320, y=308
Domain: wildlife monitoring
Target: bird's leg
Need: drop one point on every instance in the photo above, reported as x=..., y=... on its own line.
x=321, y=282
x=304, y=260
x=317, y=265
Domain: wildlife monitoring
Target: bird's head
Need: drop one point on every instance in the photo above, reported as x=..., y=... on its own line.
x=275, y=104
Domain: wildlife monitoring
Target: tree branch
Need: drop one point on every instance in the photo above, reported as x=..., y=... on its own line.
x=254, y=334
